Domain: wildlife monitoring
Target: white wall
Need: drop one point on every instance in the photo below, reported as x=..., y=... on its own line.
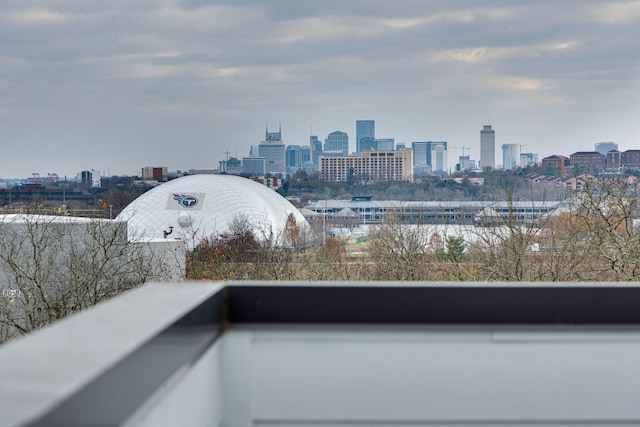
x=443, y=376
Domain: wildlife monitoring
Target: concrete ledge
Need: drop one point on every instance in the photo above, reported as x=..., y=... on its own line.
x=41, y=371
x=143, y=349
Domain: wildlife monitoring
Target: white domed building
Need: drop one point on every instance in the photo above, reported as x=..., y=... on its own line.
x=198, y=206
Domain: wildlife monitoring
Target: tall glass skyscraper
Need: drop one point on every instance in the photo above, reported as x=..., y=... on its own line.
x=421, y=153
x=293, y=156
x=364, y=129
x=273, y=151
x=316, y=148
x=487, y=147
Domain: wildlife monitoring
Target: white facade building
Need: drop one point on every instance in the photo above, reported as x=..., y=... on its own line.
x=439, y=161
x=528, y=159
x=510, y=156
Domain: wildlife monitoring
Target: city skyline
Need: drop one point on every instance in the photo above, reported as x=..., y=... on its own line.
x=113, y=86
x=450, y=158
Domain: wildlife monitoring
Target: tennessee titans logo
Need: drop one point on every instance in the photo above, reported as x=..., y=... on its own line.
x=185, y=200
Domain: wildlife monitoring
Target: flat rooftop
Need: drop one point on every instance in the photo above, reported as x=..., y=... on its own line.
x=334, y=354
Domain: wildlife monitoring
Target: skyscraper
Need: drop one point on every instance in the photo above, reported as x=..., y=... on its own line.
x=364, y=129
x=421, y=154
x=487, y=147
x=421, y=158
x=368, y=143
x=385, y=144
x=273, y=136
x=293, y=158
x=337, y=141
x=430, y=157
x=510, y=156
x=273, y=151
x=439, y=161
x=316, y=149
x=305, y=154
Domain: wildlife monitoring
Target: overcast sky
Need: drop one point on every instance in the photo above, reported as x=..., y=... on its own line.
x=116, y=85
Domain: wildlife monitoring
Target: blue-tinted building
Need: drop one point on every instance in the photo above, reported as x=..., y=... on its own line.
x=273, y=151
x=293, y=158
x=315, y=146
x=429, y=153
x=254, y=166
x=337, y=141
x=368, y=143
x=385, y=144
x=305, y=154
x=364, y=129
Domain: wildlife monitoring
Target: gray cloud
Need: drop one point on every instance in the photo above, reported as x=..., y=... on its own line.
x=122, y=84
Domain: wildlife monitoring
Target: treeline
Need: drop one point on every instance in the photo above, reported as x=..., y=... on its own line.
x=596, y=239
x=497, y=185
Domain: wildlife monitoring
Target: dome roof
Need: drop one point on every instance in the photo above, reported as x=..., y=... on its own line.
x=198, y=206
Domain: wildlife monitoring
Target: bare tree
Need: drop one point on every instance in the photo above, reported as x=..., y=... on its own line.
x=250, y=249
x=51, y=267
x=398, y=250
x=502, y=241
x=610, y=208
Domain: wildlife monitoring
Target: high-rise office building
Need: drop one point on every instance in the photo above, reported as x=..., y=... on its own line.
x=487, y=147
x=305, y=154
x=364, y=129
x=316, y=149
x=510, y=156
x=385, y=144
x=337, y=141
x=421, y=158
x=421, y=153
x=432, y=154
x=368, y=143
x=254, y=166
x=273, y=151
x=293, y=156
x=439, y=163
x=273, y=136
